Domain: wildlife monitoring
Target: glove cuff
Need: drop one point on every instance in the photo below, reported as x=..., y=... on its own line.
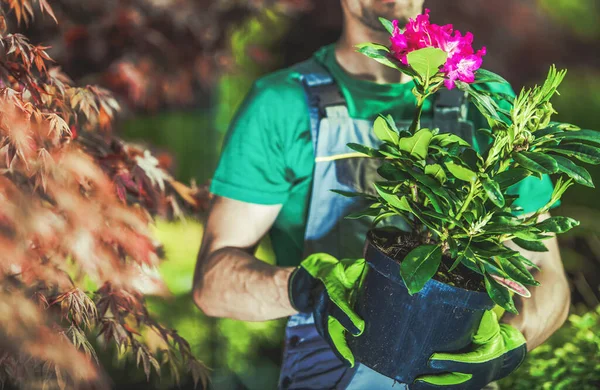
x=300, y=287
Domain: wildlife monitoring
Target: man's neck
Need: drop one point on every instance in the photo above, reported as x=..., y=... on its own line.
x=358, y=65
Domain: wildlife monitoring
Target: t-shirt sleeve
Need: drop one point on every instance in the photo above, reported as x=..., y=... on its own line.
x=533, y=193
x=252, y=166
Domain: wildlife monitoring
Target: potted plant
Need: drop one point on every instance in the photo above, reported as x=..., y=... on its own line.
x=427, y=289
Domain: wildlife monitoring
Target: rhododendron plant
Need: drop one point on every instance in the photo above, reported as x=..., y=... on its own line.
x=455, y=200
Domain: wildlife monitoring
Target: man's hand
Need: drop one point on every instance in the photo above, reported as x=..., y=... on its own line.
x=326, y=286
x=497, y=350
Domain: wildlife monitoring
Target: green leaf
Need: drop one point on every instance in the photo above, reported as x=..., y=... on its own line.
x=557, y=224
x=517, y=271
x=452, y=247
x=390, y=172
x=419, y=266
x=492, y=189
x=533, y=246
x=485, y=76
x=547, y=131
x=485, y=104
x=387, y=24
x=350, y=194
x=389, y=151
x=565, y=126
x=592, y=136
x=456, y=262
x=528, y=234
x=364, y=213
x=446, y=139
x=511, y=177
x=435, y=202
x=536, y=162
x=499, y=295
x=429, y=182
x=512, y=285
x=381, y=54
x=417, y=144
x=586, y=153
x=418, y=213
x=470, y=159
x=497, y=228
x=505, y=219
x=574, y=171
x=437, y=172
x=392, y=124
x=461, y=172
x=468, y=260
x=384, y=132
x=526, y=261
x=370, y=152
x=385, y=215
x=427, y=61
x=392, y=199
x=437, y=215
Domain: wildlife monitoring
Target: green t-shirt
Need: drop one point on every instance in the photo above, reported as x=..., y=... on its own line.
x=268, y=155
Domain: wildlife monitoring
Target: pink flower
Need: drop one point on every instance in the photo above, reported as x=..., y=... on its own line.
x=462, y=68
x=399, y=42
x=462, y=62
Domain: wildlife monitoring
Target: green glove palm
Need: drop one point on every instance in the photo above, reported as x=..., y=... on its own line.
x=498, y=349
x=325, y=286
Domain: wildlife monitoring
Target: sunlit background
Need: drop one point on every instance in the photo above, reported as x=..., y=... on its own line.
x=183, y=67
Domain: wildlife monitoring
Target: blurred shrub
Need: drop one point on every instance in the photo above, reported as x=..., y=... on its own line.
x=253, y=56
x=241, y=355
x=581, y=16
x=570, y=359
x=186, y=135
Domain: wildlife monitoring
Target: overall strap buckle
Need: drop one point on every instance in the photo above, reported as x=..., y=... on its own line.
x=450, y=105
x=328, y=99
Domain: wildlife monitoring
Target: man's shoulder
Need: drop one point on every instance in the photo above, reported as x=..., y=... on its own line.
x=284, y=80
x=288, y=81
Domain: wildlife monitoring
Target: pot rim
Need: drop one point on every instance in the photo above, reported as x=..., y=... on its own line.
x=390, y=268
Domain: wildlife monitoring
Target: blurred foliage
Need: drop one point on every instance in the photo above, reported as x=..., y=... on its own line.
x=581, y=16
x=570, y=359
x=254, y=37
x=242, y=355
x=187, y=136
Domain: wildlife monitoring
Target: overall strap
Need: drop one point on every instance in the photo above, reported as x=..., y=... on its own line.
x=450, y=106
x=324, y=98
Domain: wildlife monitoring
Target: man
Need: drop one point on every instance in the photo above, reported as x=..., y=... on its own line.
x=284, y=151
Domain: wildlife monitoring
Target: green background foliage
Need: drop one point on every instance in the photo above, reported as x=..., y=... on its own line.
x=570, y=359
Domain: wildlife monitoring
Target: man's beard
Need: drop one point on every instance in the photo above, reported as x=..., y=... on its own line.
x=371, y=19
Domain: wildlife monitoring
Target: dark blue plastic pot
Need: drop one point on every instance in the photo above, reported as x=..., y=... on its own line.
x=403, y=331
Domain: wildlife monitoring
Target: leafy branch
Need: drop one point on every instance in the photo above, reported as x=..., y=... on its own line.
x=458, y=200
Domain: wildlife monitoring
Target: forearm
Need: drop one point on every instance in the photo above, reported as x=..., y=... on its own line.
x=234, y=284
x=548, y=307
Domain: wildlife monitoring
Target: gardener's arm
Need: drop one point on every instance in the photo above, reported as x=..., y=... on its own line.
x=547, y=308
x=229, y=281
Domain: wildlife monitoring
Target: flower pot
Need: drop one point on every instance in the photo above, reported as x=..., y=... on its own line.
x=403, y=331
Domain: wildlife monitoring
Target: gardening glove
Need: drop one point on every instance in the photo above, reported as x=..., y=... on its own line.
x=497, y=350
x=325, y=286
